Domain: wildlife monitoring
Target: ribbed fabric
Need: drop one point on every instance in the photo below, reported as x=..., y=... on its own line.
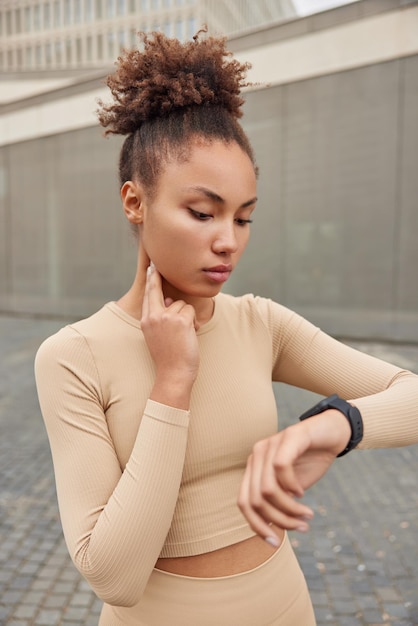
x=262, y=596
x=136, y=479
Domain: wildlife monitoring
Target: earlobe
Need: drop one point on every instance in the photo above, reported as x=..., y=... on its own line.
x=133, y=201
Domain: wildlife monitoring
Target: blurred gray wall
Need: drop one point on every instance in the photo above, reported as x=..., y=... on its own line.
x=65, y=247
x=334, y=235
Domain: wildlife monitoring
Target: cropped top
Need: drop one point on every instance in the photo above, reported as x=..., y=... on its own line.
x=137, y=480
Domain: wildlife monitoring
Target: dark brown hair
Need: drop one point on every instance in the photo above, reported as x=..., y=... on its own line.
x=169, y=94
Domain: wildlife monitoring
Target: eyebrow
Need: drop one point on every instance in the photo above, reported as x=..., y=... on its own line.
x=212, y=195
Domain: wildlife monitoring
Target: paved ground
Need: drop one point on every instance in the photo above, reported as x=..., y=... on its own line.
x=360, y=558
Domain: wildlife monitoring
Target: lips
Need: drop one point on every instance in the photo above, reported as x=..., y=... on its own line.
x=219, y=273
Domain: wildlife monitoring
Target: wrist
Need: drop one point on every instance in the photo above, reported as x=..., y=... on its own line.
x=350, y=412
x=172, y=391
x=331, y=430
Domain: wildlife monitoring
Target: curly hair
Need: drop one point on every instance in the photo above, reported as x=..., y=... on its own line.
x=168, y=94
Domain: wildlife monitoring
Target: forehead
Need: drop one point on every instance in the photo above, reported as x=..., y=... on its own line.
x=224, y=166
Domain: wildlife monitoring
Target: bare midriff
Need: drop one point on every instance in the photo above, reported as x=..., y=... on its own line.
x=234, y=559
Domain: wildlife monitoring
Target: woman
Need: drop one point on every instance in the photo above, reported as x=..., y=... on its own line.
x=175, y=490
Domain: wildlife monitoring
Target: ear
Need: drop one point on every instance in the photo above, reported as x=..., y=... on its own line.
x=133, y=200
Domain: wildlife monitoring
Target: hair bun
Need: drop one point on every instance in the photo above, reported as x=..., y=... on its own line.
x=167, y=75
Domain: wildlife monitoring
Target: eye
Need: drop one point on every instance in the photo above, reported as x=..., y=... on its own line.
x=200, y=216
x=242, y=222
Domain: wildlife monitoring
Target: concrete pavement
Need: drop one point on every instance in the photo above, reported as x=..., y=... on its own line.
x=360, y=557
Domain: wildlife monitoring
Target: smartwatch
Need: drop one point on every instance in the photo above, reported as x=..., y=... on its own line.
x=351, y=413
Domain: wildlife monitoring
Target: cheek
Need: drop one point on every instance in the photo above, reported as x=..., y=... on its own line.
x=154, y=236
x=170, y=248
x=244, y=239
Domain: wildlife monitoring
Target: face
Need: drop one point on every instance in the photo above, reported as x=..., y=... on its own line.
x=198, y=223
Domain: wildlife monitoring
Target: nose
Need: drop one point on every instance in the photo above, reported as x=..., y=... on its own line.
x=225, y=241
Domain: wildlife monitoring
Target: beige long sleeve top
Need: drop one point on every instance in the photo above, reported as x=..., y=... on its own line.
x=136, y=479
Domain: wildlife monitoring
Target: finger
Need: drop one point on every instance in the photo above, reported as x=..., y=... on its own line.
x=153, y=294
x=185, y=309
x=265, y=494
x=258, y=524
x=291, y=444
x=177, y=307
x=263, y=516
x=283, y=516
x=270, y=500
x=254, y=500
x=282, y=491
x=285, y=476
x=261, y=519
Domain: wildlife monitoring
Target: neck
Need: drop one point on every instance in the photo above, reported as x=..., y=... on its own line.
x=131, y=302
x=203, y=306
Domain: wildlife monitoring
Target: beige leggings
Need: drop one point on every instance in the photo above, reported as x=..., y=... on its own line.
x=272, y=594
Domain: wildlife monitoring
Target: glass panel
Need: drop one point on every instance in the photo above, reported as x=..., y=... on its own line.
x=99, y=9
x=28, y=19
x=57, y=13
x=133, y=37
x=8, y=22
x=18, y=21
x=68, y=52
x=100, y=46
x=79, y=50
x=67, y=12
x=88, y=10
x=29, y=57
x=37, y=17
x=110, y=8
x=179, y=29
x=110, y=44
x=48, y=54
x=77, y=11
x=47, y=15
x=121, y=39
x=121, y=7
x=58, y=52
x=38, y=55
x=89, y=46
x=167, y=29
x=191, y=27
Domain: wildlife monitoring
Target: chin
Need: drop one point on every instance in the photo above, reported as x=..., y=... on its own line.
x=209, y=292
x=193, y=288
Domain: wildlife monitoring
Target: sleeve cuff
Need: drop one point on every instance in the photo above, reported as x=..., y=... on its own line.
x=168, y=414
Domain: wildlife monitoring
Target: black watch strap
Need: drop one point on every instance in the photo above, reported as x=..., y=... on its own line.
x=351, y=412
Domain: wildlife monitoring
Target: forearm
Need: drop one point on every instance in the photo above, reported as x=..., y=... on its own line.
x=174, y=390
x=115, y=520
x=386, y=396
x=118, y=549
x=390, y=418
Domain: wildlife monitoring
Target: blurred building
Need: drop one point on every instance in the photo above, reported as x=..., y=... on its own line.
x=50, y=34
x=333, y=120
